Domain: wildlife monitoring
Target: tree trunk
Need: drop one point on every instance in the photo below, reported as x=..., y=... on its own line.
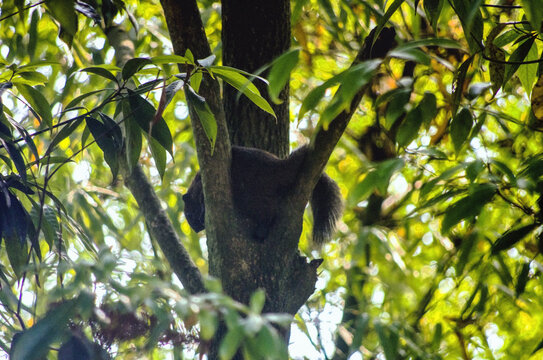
x=253, y=34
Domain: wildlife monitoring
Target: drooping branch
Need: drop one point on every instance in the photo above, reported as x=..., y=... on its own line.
x=161, y=229
x=325, y=140
x=160, y=226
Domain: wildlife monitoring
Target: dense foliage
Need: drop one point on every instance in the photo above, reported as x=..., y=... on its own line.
x=439, y=251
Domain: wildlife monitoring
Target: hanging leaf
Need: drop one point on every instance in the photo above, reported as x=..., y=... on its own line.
x=133, y=135
x=38, y=102
x=144, y=113
x=64, y=12
x=409, y=128
x=353, y=80
x=516, y=57
x=472, y=22
x=460, y=128
x=206, y=117
x=134, y=65
x=537, y=99
x=458, y=83
x=279, y=74
x=428, y=107
x=534, y=13
x=511, y=237
x=15, y=155
x=469, y=206
x=105, y=137
x=159, y=156
x=100, y=71
x=433, y=11
x=66, y=131
x=396, y=100
x=242, y=84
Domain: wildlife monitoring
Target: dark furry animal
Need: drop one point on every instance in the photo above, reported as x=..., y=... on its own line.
x=260, y=181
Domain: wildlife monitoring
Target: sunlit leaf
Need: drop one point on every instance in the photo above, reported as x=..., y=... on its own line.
x=468, y=206
x=134, y=65
x=511, y=237
x=242, y=84
x=280, y=72
x=38, y=102
x=460, y=128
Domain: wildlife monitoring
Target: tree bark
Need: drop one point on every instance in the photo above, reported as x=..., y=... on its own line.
x=254, y=32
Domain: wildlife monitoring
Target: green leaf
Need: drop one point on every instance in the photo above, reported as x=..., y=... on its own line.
x=473, y=169
x=280, y=70
x=505, y=170
x=256, y=303
x=458, y=82
x=64, y=12
x=144, y=113
x=469, y=206
x=409, y=128
x=472, y=22
x=159, y=155
x=396, y=100
x=352, y=81
x=519, y=55
x=511, y=237
x=170, y=59
x=17, y=254
x=34, y=343
x=385, y=170
x=439, y=42
x=33, y=34
x=415, y=55
x=133, y=135
x=363, y=189
x=81, y=97
x=32, y=77
x=428, y=107
x=64, y=132
x=104, y=137
x=100, y=71
x=506, y=38
x=49, y=224
x=522, y=279
x=230, y=344
x=528, y=73
x=460, y=128
x=433, y=10
x=15, y=156
x=38, y=102
x=242, y=84
x=196, y=80
x=208, y=323
x=388, y=337
x=206, y=117
x=134, y=65
x=534, y=13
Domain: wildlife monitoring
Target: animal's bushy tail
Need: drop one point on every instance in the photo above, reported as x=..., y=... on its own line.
x=327, y=207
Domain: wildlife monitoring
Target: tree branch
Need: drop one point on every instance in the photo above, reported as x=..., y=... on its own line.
x=160, y=226
x=161, y=229
x=325, y=140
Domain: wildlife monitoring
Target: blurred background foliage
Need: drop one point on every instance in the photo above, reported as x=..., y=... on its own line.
x=438, y=253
